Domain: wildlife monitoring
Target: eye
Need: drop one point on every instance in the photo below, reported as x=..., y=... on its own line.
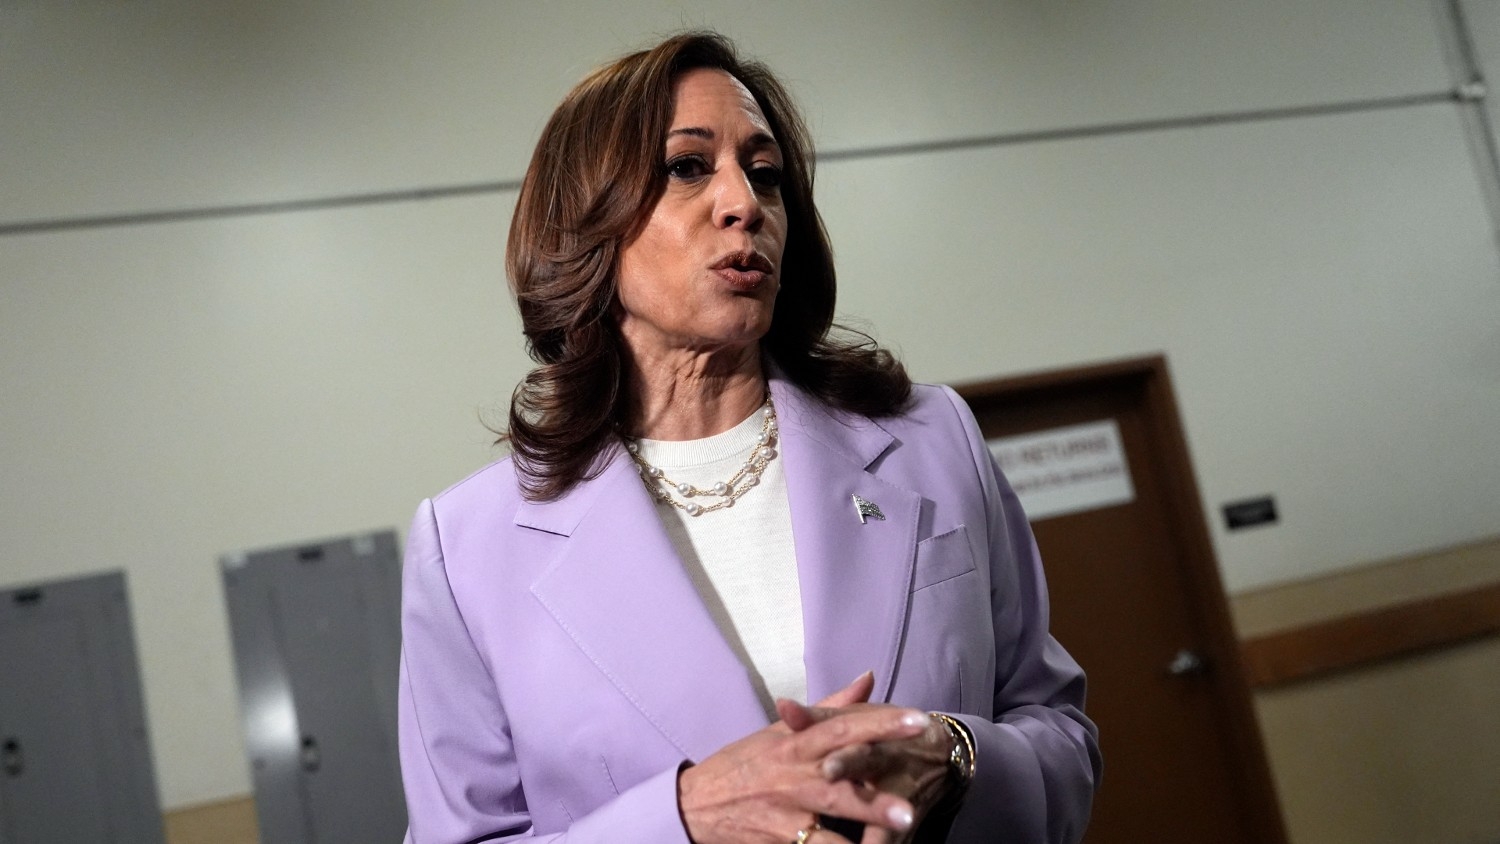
x=686, y=167
x=765, y=176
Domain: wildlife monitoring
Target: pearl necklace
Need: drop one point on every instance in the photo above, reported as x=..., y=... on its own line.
x=661, y=487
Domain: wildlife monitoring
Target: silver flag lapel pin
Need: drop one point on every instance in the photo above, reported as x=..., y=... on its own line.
x=865, y=508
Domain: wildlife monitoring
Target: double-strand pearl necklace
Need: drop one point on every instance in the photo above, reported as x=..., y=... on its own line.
x=663, y=488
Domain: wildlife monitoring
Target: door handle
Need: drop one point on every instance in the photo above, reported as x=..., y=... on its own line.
x=1187, y=663
x=12, y=760
x=311, y=757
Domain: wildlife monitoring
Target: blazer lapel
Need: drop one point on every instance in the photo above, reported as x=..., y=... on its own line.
x=855, y=574
x=620, y=592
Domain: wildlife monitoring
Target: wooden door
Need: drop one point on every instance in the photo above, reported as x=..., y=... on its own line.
x=1136, y=598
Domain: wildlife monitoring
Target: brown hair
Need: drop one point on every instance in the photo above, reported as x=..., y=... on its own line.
x=593, y=180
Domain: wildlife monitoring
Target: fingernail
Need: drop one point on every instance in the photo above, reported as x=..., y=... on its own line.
x=832, y=769
x=899, y=817
x=916, y=719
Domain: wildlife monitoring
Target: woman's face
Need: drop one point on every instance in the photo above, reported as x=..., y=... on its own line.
x=702, y=275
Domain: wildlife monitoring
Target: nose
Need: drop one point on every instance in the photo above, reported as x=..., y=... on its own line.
x=736, y=204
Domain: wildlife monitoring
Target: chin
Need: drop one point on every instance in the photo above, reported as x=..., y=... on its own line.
x=747, y=325
x=743, y=338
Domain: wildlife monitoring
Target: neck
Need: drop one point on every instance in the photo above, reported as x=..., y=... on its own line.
x=688, y=395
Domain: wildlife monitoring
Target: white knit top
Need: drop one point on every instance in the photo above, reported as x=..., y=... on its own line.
x=740, y=558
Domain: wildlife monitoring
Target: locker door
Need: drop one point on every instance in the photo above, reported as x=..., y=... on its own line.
x=317, y=638
x=74, y=760
x=46, y=749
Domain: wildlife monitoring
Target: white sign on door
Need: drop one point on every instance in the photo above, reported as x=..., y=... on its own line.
x=1066, y=470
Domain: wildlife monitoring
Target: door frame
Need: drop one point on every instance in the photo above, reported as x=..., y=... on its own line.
x=1187, y=522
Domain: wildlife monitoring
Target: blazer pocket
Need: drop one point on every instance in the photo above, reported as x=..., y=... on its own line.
x=942, y=557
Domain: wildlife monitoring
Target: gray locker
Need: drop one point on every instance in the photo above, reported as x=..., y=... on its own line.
x=317, y=638
x=75, y=760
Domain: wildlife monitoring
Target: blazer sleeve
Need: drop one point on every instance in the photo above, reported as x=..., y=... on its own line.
x=1037, y=762
x=458, y=762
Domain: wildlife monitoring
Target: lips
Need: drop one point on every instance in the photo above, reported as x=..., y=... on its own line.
x=744, y=271
x=745, y=262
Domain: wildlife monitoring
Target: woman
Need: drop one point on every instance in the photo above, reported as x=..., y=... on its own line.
x=714, y=509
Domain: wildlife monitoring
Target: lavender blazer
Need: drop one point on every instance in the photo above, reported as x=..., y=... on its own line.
x=558, y=665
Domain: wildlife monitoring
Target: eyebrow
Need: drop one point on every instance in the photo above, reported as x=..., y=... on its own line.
x=759, y=139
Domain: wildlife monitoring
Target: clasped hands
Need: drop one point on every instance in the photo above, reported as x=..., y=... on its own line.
x=884, y=766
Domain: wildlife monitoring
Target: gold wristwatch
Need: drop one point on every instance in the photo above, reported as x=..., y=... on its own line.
x=962, y=760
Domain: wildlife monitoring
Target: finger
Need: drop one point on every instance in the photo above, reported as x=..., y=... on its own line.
x=859, y=802
x=877, y=761
x=798, y=717
x=859, y=762
x=795, y=715
x=857, y=691
x=880, y=835
x=827, y=836
x=805, y=716
x=835, y=729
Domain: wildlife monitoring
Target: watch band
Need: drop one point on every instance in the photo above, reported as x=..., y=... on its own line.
x=962, y=761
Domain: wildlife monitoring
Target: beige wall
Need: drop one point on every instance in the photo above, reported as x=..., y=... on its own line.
x=1325, y=287
x=1399, y=751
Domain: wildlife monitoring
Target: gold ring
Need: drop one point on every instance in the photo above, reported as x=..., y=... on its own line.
x=805, y=835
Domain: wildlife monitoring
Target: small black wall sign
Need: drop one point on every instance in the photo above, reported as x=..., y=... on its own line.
x=1250, y=512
